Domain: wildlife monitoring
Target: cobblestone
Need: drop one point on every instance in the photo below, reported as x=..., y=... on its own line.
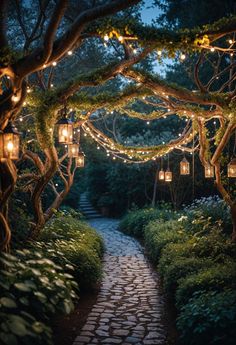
x=129, y=305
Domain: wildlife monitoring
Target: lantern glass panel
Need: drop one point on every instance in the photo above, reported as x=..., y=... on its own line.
x=79, y=162
x=65, y=133
x=161, y=175
x=184, y=167
x=73, y=150
x=11, y=145
x=209, y=171
x=232, y=168
x=168, y=176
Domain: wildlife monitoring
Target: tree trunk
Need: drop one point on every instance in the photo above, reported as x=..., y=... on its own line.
x=233, y=216
x=8, y=178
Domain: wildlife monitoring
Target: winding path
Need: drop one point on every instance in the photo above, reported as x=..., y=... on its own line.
x=129, y=306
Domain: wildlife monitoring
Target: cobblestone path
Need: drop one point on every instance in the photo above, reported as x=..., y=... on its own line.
x=129, y=306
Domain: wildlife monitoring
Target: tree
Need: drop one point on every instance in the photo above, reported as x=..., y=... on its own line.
x=131, y=43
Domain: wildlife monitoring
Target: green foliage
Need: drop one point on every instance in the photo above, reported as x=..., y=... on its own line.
x=158, y=233
x=79, y=244
x=204, y=212
x=40, y=281
x=33, y=289
x=215, y=278
x=181, y=268
x=196, y=260
x=209, y=318
x=134, y=222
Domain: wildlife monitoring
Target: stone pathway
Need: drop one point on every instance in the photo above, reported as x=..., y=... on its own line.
x=129, y=306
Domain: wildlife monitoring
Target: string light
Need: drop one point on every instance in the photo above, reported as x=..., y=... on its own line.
x=54, y=63
x=182, y=56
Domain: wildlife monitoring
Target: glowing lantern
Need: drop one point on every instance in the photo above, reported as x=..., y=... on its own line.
x=73, y=150
x=184, y=167
x=232, y=168
x=10, y=142
x=161, y=175
x=209, y=171
x=168, y=175
x=79, y=161
x=65, y=130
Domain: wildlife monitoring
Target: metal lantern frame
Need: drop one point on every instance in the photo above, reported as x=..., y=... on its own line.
x=79, y=161
x=10, y=142
x=231, y=168
x=161, y=175
x=168, y=175
x=73, y=150
x=65, y=128
x=209, y=171
x=184, y=167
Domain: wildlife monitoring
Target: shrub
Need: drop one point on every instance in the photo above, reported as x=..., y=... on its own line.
x=213, y=209
x=181, y=268
x=209, y=318
x=39, y=281
x=80, y=245
x=213, y=245
x=216, y=278
x=159, y=233
x=33, y=289
x=134, y=222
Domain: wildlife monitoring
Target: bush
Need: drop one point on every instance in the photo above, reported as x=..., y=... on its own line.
x=134, y=222
x=212, y=245
x=213, y=209
x=181, y=268
x=216, y=278
x=209, y=318
x=79, y=243
x=33, y=289
x=39, y=281
x=159, y=233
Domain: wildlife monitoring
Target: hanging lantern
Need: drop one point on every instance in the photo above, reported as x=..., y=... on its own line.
x=73, y=150
x=10, y=142
x=79, y=161
x=168, y=175
x=184, y=167
x=232, y=168
x=65, y=130
x=209, y=171
x=161, y=175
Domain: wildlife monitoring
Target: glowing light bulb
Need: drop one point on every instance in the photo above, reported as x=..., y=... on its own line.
x=64, y=132
x=182, y=56
x=10, y=146
x=212, y=49
x=121, y=38
x=54, y=63
x=15, y=98
x=70, y=52
x=230, y=41
x=106, y=38
x=159, y=52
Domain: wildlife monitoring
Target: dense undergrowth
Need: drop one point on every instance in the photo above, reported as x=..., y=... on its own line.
x=196, y=259
x=45, y=277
